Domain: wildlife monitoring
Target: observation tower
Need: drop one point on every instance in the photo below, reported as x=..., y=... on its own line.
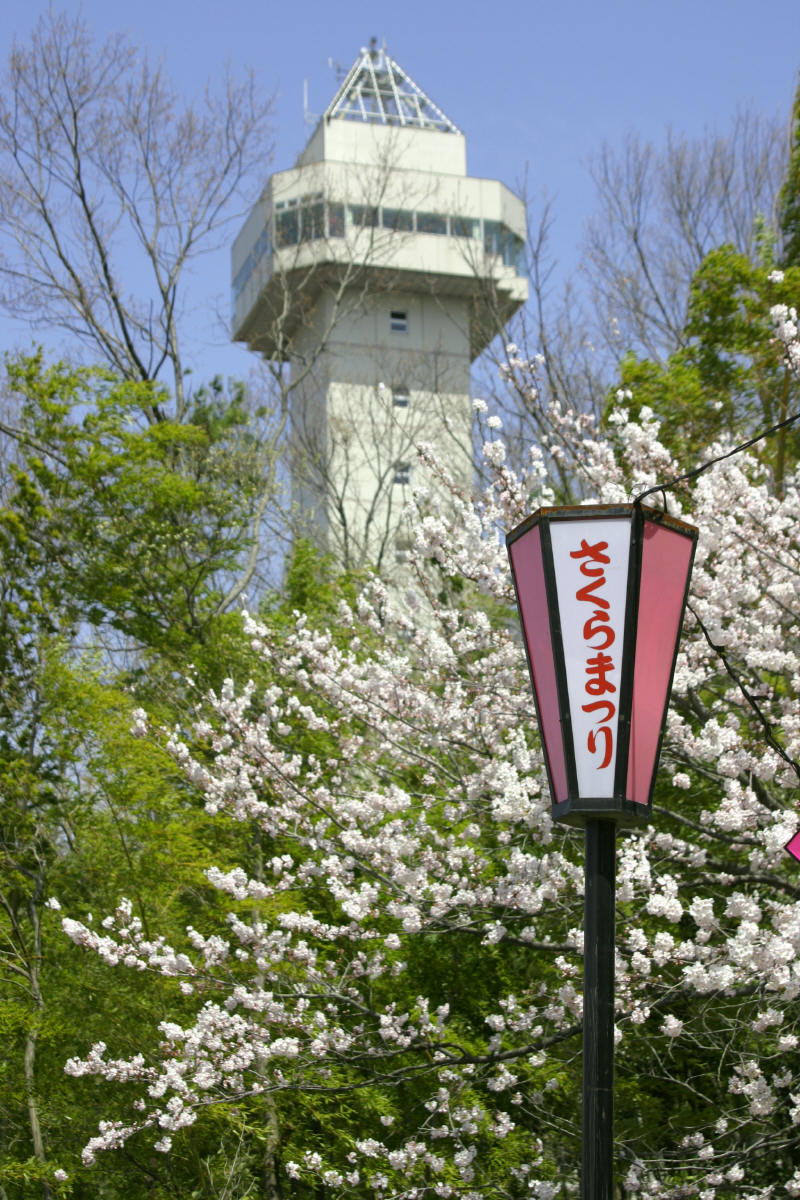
x=370, y=275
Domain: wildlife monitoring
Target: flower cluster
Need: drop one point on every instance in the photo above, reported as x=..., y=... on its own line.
x=414, y=922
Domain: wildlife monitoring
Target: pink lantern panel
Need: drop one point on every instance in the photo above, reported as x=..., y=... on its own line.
x=793, y=846
x=666, y=562
x=528, y=567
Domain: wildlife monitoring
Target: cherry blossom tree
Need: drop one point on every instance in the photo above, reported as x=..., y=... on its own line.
x=406, y=955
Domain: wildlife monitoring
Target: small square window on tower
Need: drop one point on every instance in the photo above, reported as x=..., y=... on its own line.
x=398, y=320
x=402, y=546
x=400, y=396
x=402, y=473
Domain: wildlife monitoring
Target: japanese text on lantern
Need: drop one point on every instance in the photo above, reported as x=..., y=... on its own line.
x=598, y=637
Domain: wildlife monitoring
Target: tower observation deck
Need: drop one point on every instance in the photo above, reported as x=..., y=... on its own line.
x=377, y=270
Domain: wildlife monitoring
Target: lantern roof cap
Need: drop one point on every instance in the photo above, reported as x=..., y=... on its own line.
x=591, y=510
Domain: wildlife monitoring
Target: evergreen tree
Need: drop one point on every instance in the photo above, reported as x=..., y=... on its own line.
x=789, y=200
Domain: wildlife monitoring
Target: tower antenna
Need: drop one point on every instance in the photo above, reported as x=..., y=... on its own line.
x=309, y=118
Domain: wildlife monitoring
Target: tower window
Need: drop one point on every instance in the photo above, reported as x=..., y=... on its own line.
x=398, y=321
x=402, y=473
x=402, y=546
x=465, y=227
x=287, y=227
x=399, y=219
x=364, y=216
x=313, y=221
x=400, y=397
x=431, y=223
x=336, y=220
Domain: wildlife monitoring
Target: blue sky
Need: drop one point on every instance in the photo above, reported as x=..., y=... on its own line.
x=537, y=87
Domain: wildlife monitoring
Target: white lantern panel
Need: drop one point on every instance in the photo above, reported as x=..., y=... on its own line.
x=590, y=562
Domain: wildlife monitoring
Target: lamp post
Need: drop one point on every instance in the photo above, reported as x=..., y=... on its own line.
x=601, y=591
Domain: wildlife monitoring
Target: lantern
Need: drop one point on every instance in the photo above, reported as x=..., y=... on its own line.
x=793, y=845
x=601, y=591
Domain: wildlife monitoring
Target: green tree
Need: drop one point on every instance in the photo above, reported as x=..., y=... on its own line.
x=142, y=528
x=789, y=199
x=729, y=377
x=126, y=543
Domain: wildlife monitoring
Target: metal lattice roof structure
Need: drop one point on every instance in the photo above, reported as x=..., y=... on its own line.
x=378, y=91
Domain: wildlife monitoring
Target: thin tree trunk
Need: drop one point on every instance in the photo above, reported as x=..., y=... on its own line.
x=29, y=1057
x=269, y=1173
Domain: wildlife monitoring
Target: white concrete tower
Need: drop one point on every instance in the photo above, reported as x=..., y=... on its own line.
x=377, y=269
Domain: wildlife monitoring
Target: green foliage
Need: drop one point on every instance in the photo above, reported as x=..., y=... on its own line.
x=728, y=379
x=789, y=212
x=118, y=822
x=128, y=519
x=311, y=583
x=120, y=531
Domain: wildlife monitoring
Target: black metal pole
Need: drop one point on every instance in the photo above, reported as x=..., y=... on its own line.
x=598, y=1011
